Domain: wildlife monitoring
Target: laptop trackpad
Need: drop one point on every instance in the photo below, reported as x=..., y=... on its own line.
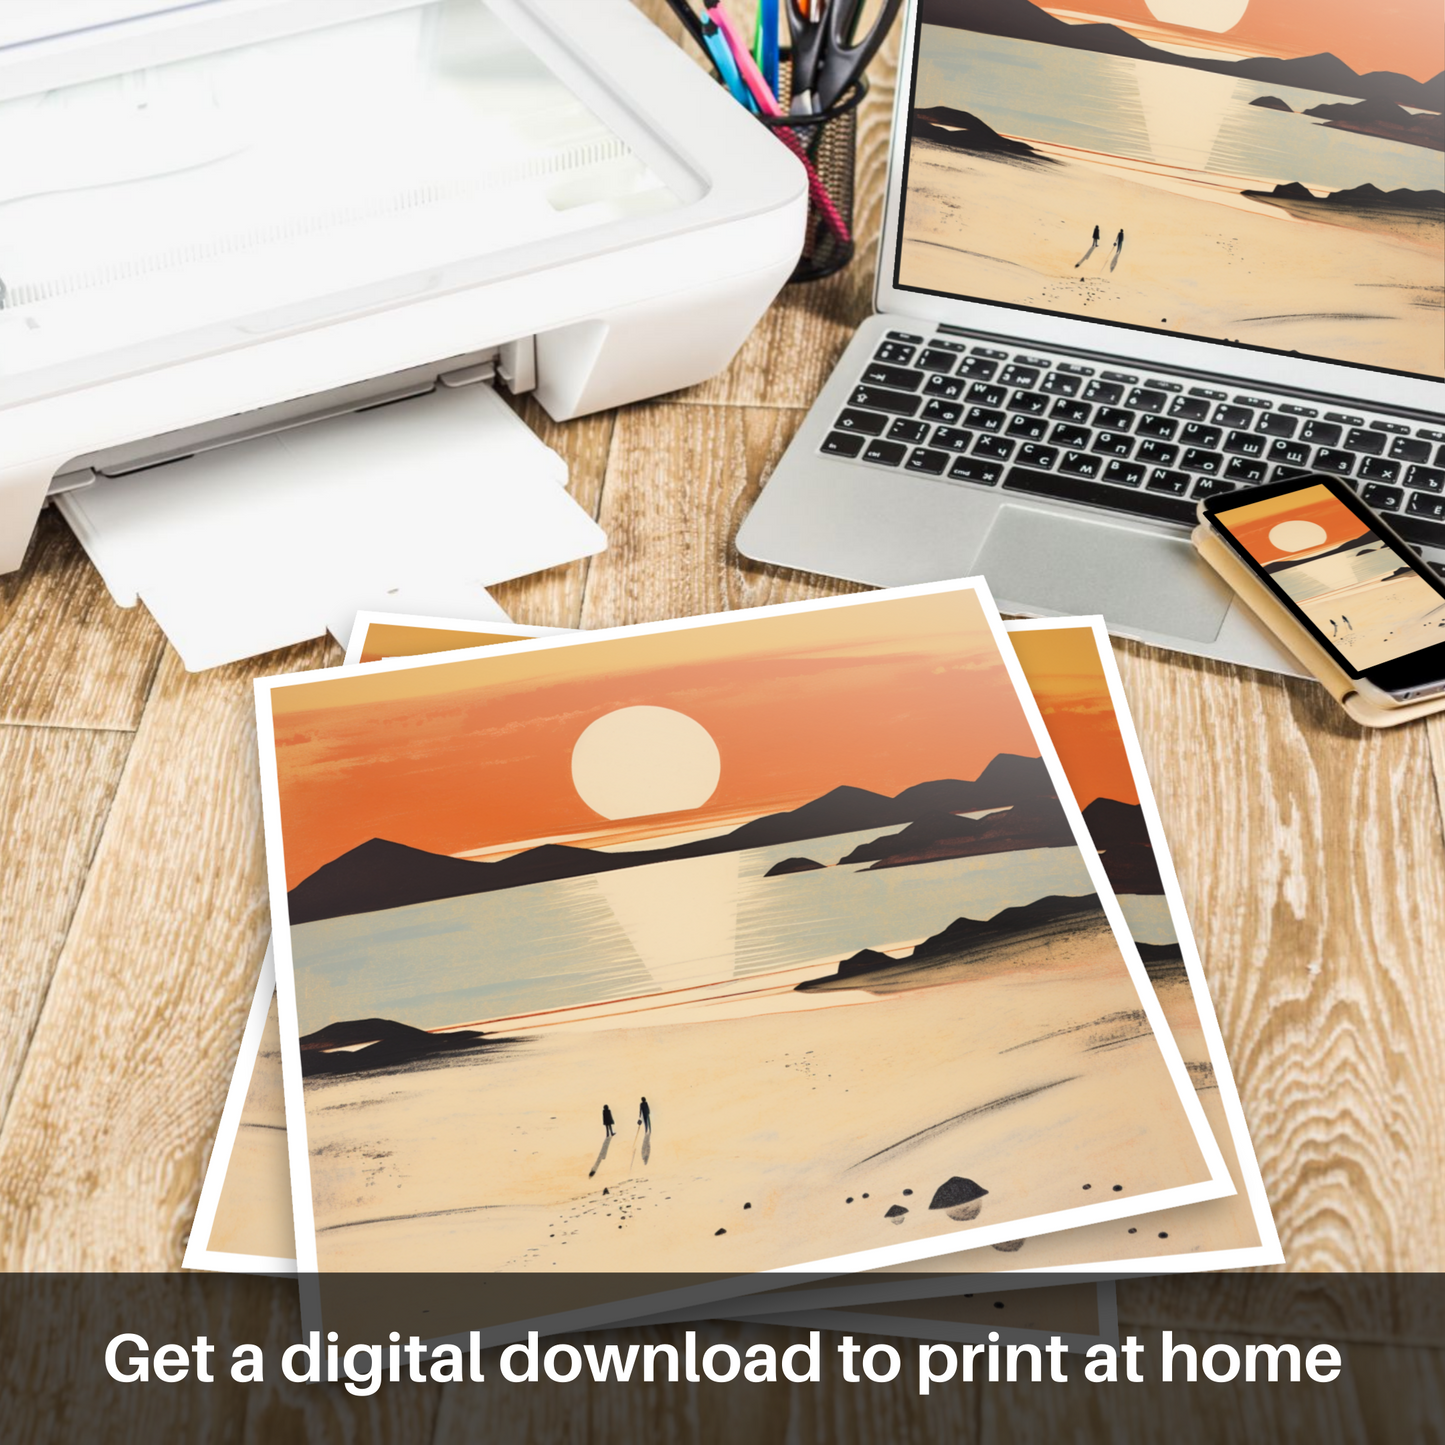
x=1039, y=559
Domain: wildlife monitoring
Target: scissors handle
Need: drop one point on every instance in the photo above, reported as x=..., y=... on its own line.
x=809, y=37
x=842, y=59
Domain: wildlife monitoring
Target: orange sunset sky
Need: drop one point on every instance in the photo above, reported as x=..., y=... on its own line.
x=1252, y=522
x=1067, y=680
x=1406, y=36
x=462, y=755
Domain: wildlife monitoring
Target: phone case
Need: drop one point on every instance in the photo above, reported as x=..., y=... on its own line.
x=1311, y=655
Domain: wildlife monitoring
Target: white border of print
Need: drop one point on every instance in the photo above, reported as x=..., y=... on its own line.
x=199, y=1254
x=1268, y=1250
x=1216, y=1186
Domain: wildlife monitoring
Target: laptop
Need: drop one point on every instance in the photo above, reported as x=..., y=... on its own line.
x=1127, y=264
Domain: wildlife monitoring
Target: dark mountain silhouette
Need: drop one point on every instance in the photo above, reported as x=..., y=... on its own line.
x=1286, y=191
x=1153, y=953
x=1019, y=20
x=1285, y=563
x=968, y=941
x=1385, y=119
x=388, y=1045
x=1272, y=102
x=1132, y=868
x=1112, y=823
x=967, y=935
x=1034, y=823
x=962, y=130
x=1008, y=779
x=1122, y=838
x=380, y=874
x=1360, y=198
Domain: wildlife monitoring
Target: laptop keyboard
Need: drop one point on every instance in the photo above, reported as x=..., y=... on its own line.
x=1138, y=444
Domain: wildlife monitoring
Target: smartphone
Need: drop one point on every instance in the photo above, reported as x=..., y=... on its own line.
x=1339, y=569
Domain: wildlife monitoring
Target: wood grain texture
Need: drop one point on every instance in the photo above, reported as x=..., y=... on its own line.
x=56, y=787
x=69, y=657
x=680, y=481
x=1435, y=732
x=1202, y=1413
x=1360, y=1308
x=1311, y=855
x=827, y=1413
x=1312, y=862
x=102, y=1149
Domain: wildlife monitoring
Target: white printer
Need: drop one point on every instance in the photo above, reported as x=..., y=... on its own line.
x=226, y=219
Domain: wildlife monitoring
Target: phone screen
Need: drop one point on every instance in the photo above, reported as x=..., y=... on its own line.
x=1365, y=600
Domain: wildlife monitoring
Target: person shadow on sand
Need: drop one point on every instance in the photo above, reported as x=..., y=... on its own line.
x=597, y=1162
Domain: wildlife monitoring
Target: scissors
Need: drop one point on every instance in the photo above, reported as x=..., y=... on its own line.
x=827, y=55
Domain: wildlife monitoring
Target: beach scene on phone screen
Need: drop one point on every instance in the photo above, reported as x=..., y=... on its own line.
x=1363, y=598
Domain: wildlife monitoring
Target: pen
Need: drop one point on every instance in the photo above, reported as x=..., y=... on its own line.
x=768, y=105
x=688, y=18
x=748, y=71
x=765, y=42
x=724, y=58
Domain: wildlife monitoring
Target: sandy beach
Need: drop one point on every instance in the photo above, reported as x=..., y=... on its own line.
x=821, y=1121
x=1353, y=287
x=1212, y=1224
x=254, y=1215
x=1378, y=620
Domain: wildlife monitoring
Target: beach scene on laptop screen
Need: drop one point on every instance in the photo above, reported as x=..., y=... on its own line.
x=1360, y=595
x=1269, y=172
x=733, y=945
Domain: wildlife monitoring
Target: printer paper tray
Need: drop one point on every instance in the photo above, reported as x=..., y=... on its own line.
x=417, y=506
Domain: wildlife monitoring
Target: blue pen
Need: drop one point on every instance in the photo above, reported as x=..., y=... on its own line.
x=727, y=67
x=768, y=60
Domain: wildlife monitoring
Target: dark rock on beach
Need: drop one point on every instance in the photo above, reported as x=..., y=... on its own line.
x=1272, y=102
x=793, y=865
x=966, y=941
x=955, y=1191
x=962, y=130
x=1384, y=119
x=1163, y=962
x=358, y=1045
x=866, y=960
x=895, y=1211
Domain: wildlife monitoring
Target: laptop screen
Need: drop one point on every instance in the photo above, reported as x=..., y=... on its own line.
x=1264, y=172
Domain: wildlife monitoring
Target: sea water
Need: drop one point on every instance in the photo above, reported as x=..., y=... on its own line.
x=658, y=926
x=1167, y=114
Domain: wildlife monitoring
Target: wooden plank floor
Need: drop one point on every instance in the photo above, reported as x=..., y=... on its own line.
x=132, y=906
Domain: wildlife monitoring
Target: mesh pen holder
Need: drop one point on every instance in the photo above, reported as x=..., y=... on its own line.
x=827, y=143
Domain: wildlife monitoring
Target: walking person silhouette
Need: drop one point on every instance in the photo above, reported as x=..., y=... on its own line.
x=1118, y=249
x=1093, y=246
x=644, y=1115
x=607, y=1120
